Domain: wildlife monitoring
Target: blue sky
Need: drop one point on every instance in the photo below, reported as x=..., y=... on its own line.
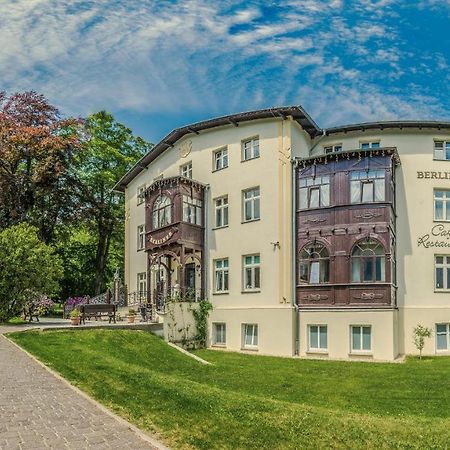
x=157, y=65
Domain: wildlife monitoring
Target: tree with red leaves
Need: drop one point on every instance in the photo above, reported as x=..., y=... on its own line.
x=36, y=148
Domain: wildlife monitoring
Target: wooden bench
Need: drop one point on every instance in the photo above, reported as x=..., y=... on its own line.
x=88, y=311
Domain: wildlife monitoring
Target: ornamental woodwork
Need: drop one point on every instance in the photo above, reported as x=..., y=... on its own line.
x=341, y=225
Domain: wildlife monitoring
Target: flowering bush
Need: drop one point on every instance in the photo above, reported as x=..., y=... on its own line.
x=37, y=305
x=74, y=301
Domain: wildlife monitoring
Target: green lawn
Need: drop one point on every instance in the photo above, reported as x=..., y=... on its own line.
x=245, y=401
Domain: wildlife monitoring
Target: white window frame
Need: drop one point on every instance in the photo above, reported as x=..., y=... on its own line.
x=445, y=265
x=222, y=286
x=254, y=199
x=142, y=282
x=254, y=151
x=447, y=337
x=223, y=334
x=361, y=350
x=254, y=335
x=440, y=149
x=141, y=194
x=311, y=347
x=192, y=210
x=365, y=145
x=186, y=170
x=141, y=237
x=444, y=199
x=220, y=159
x=253, y=268
x=220, y=206
x=332, y=148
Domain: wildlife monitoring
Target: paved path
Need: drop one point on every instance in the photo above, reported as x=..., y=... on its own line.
x=39, y=411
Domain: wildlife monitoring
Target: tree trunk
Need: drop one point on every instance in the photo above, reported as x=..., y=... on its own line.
x=104, y=240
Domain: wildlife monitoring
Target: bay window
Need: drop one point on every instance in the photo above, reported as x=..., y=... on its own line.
x=367, y=186
x=192, y=210
x=368, y=262
x=314, y=264
x=314, y=192
x=162, y=212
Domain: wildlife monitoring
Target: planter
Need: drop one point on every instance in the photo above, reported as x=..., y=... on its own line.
x=75, y=321
x=131, y=319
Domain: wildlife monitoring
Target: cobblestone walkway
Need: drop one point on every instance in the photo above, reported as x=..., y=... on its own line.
x=39, y=411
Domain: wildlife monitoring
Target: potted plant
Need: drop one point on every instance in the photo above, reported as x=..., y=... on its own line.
x=131, y=315
x=74, y=317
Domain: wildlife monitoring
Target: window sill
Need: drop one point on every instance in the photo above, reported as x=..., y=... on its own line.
x=362, y=353
x=219, y=345
x=250, y=349
x=317, y=352
x=251, y=220
x=441, y=291
x=219, y=228
x=140, y=249
x=254, y=291
x=250, y=159
x=218, y=170
x=221, y=293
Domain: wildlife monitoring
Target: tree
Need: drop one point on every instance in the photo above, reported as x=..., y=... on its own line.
x=419, y=335
x=109, y=150
x=27, y=266
x=36, y=147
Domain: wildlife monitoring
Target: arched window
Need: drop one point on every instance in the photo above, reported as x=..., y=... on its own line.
x=314, y=264
x=368, y=262
x=162, y=212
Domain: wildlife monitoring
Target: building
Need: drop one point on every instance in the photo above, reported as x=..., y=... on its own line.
x=331, y=243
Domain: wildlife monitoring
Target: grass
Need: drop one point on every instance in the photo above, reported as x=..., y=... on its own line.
x=253, y=402
x=16, y=321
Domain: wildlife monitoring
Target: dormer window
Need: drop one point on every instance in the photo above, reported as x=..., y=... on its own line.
x=162, y=212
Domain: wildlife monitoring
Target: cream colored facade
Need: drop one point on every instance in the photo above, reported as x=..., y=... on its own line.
x=281, y=329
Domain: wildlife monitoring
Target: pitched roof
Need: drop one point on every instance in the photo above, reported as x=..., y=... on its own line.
x=297, y=113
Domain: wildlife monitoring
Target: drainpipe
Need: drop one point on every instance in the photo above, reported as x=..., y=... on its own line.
x=293, y=259
x=205, y=258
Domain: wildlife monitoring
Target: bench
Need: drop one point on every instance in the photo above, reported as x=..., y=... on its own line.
x=88, y=311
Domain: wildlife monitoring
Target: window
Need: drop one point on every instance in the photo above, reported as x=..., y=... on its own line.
x=250, y=335
x=250, y=149
x=366, y=145
x=442, y=150
x=332, y=148
x=142, y=283
x=442, y=272
x=441, y=205
x=314, y=264
x=361, y=338
x=318, y=337
x=443, y=336
x=186, y=170
x=141, y=194
x=221, y=275
x=314, y=192
x=220, y=159
x=368, y=262
x=140, y=237
x=252, y=272
x=192, y=210
x=251, y=200
x=162, y=212
x=221, y=210
x=219, y=334
x=367, y=186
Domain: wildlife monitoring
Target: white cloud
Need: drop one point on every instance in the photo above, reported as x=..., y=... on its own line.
x=200, y=55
